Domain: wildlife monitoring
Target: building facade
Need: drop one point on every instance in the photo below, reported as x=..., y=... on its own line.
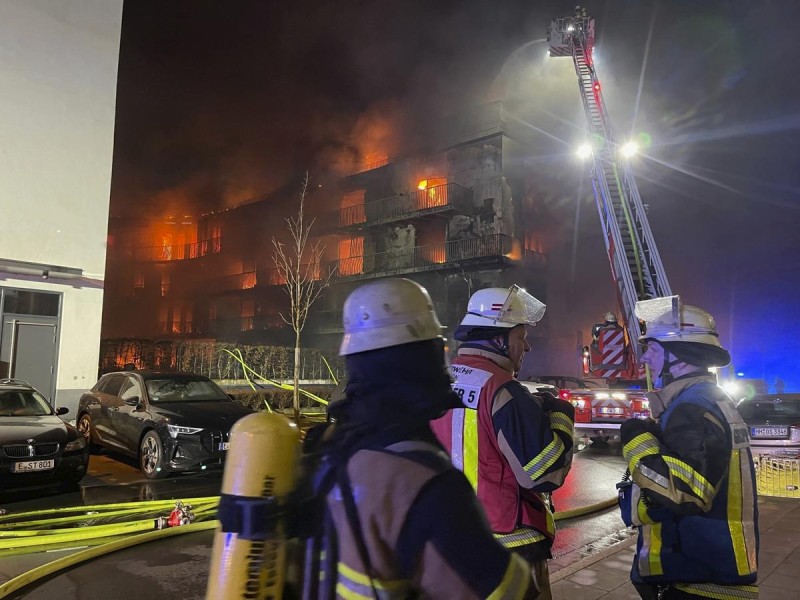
x=59, y=81
x=454, y=219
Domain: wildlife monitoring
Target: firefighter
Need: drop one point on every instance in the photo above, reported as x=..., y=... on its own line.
x=691, y=491
x=514, y=447
x=399, y=520
x=609, y=322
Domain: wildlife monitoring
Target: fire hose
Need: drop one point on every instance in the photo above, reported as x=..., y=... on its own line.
x=110, y=538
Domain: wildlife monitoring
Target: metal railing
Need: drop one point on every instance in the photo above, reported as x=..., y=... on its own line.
x=178, y=251
x=369, y=166
x=424, y=258
x=777, y=476
x=434, y=199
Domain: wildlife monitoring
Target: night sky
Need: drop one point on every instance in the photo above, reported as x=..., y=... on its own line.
x=221, y=102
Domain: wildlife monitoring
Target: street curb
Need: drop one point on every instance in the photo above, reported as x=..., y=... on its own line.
x=590, y=560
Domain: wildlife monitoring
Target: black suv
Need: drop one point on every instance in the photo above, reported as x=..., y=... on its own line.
x=37, y=448
x=168, y=421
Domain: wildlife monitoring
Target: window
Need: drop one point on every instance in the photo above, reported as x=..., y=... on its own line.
x=21, y=302
x=130, y=389
x=164, y=284
x=112, y=385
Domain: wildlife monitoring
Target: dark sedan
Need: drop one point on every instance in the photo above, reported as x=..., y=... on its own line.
x=168, y=421
x=774, y=423
x=38, y=448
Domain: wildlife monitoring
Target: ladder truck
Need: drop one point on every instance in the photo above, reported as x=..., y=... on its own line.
x=636, y=268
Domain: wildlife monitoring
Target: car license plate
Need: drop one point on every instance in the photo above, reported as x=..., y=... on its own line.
x=769, y=432
x=34, y=465
x=610, y=410
x=225, y=446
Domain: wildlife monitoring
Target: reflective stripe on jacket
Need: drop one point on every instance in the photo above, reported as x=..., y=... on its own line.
x=696, y=509
x=423, y=531
x=509, y=448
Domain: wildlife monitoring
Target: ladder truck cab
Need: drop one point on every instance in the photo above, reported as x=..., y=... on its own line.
x=637, y=272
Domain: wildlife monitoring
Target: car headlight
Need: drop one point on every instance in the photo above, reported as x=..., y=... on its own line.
x=174, y=430
x=79, y=443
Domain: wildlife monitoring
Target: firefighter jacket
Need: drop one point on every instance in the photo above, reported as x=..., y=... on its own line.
x=419, y=530
x=694, y=498
x=514, y=447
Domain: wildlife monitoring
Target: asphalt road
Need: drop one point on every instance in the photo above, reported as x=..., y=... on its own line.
x=177, y=567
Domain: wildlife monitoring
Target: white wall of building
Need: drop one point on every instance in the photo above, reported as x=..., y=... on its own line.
x=58, y=81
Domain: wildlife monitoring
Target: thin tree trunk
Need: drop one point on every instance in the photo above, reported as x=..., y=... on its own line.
x=297, y=378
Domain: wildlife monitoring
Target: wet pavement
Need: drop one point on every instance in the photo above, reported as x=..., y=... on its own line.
x=605, y=574
x=592, y=555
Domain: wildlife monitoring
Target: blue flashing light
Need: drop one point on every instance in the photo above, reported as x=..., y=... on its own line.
x=740, y=374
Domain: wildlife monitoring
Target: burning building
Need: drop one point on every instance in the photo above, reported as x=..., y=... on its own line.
x=454, y=219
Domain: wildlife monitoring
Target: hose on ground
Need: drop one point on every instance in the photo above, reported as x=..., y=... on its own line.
x=30, y=577
x=585, y=510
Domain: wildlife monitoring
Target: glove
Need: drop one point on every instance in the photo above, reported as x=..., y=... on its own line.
x=633, y=427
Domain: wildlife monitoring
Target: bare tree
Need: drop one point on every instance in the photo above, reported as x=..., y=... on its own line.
x=300, y=266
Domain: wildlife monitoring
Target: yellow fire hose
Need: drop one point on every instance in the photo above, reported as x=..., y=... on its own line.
x=585, y=510
x=105, y=539
x=30, y=577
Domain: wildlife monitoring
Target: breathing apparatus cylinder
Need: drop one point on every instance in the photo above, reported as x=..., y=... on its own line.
x=249, y=555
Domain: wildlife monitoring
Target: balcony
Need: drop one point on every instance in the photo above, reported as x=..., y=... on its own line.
x=418, y=203
x=492, y=249
x=178, y=251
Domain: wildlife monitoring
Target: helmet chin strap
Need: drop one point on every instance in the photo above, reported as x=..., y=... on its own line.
x=665, y=375
x=503, y=347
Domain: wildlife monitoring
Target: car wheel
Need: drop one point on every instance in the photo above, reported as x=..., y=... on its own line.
x=151, y=456
x=85, y=427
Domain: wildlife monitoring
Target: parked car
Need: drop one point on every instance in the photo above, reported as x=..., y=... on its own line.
x=39, y=449
x=774, y=423
x=168, y=421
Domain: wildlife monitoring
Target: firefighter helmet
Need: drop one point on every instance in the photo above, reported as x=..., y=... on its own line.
x=503, y=307
x=610, y=317
x=386, y=313
x=669, y=320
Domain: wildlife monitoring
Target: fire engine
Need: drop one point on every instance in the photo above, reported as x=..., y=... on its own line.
x=636, y=268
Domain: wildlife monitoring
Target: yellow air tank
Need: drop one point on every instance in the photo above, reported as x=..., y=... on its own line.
x=249, y=556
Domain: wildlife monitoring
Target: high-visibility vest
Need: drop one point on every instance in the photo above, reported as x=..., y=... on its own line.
x=518, y=516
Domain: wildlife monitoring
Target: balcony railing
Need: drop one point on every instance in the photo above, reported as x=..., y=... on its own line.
x=439, y=198
x=427, y=258
x=175, y=327
x=178, y=251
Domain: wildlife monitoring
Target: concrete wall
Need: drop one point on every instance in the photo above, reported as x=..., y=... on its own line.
x=58, y=76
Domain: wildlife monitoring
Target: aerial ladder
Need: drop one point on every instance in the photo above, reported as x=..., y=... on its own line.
x=636, y=268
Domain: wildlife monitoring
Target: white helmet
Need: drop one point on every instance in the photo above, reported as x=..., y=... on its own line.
x=387, y=313
x=610, y=317
x=668, y=320
x=501, y=307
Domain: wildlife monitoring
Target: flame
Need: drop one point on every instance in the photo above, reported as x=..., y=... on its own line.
x=435, y=189
x=352, y=208
x=431, y=240
x=248, y=280
x=516, y=250
x=351, y=255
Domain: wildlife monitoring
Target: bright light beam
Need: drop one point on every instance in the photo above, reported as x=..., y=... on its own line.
x=584, y=151
x=644, y=68
x=630, y=149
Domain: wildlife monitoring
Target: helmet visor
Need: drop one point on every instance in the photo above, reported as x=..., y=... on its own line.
x=521, y=308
